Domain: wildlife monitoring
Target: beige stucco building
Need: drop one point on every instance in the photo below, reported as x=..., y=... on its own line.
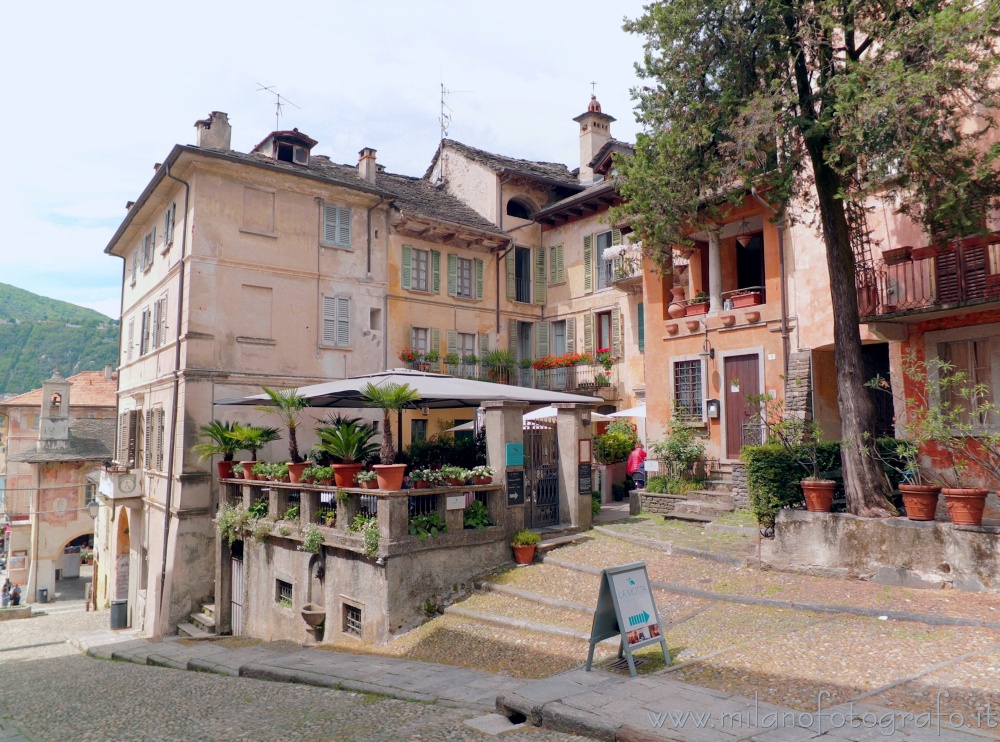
x=56, y=438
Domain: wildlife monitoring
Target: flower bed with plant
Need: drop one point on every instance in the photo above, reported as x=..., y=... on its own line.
x=363, y=477
x=427, y=524
x=476, y=516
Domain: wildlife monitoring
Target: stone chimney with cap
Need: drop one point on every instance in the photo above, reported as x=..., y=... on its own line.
x=367, y=168
x=215, y=132
x=595, y=131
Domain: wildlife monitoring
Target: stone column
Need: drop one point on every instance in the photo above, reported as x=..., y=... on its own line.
x=714, y=272
x=504, y=425
x=574, y=506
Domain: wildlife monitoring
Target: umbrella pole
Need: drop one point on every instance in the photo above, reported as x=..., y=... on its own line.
x=399, y=433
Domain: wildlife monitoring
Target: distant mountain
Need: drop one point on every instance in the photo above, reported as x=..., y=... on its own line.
x=38, y=334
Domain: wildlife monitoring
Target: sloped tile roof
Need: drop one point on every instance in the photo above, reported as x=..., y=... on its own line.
x=87, y=389
x=89, y=440
x=551, y=171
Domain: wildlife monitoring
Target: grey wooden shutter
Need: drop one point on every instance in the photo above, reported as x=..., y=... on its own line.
x=616, y=333
x=131, y=340
x=560, y=265
x=406, y=267
x=121, y=450
x=451, y=342
x=329, y=320
x=571, y=334
x=538, y=290
x=135, y=264
x=588, y=264
x=163, y=321
x=484, y=343
x=435, y=272
x=343, y=321
x=588, y=332
x=512, y=336
x=616, y=237
x=511, y=273
x=155, y=332
x=641, y=319
x=159, y=439
x=144, y=334
x=132, y=436
x=541, y=339
x=343, y=227
x=152, y=245
x=552, y=264
x=452, y=274
x=329, y=224
x=147, y=442
x=479, y=279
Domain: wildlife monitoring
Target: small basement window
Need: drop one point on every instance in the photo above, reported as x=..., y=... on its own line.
x=283, y=593
x=352, y=619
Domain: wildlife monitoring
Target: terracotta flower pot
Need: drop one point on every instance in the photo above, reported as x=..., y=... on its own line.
x=453, y=482
x=752, y=315
x=225, y=469
x=295, y=471
x=343, y=474
x=524, y=554
x=729, y=320
x=819, y=494
x=672, y=328
x=677, y=307
x=371, y=485
x=390, y=476
x=326, y=482
x=746, y=300
x=422, y=485
x=482, y=480
x=700, y=307
x=965, y=505
x=248, y=471
x=920, y=500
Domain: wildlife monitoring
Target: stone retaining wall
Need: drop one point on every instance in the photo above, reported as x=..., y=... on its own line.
x=741, y=495
x=890, y=551
x=654, y=503
x=11, y=613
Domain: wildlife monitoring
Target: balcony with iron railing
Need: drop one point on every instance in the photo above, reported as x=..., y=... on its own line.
x=591, y=378
x=907, y=284
x=625, y=266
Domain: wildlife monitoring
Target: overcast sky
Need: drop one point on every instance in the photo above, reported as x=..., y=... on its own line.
x=95, y=93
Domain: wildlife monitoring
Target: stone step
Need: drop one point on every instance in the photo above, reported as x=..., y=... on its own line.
x=693, y=517
x=553, y=542
x=191, y=631
x=724, y=499
x=204, y=622
x=718, y=485
x=208, y=609
x=697, y=507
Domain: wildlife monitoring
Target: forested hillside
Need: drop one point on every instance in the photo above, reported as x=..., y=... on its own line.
x=38, y=334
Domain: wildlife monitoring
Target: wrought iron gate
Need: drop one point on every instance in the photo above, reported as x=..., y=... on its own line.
x=237, y=597
x=541, y=471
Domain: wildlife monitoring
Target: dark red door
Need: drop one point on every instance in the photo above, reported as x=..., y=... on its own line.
x=741, y=379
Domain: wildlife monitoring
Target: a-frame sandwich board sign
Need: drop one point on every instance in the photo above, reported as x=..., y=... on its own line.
x=625, y=608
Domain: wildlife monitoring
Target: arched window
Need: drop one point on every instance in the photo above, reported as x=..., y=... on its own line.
x=521, y=208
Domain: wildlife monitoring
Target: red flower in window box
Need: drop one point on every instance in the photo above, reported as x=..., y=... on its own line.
x=408, y=355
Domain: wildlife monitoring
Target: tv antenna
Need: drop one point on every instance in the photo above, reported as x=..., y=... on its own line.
x=279, y=101
x=446, y=109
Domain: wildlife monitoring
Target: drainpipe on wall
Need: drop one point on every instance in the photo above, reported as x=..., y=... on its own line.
x=784, y=290
x=175, y=392
x=381, y=200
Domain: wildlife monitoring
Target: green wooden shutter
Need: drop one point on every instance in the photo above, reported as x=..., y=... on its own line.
x=512, y=335
x=452, y=274
x=435, y=272
x=541, y=339
x=484, y=343
x=641, y=319
x=413, y=338
x=538, y=290
x=406, y=270
x=434, y=342
x=616, y=333
x=152, y=245
x=511, y=287
x=571, y=334
x=553, y=272
x=479, y=279
x=451, y=342
x=588, y=264
x=560, y=265
x=588, y=333
x=616, y=237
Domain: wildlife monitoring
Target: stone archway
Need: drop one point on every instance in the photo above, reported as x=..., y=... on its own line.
x=119, y=589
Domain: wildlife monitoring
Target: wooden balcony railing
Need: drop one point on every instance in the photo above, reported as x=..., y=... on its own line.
x=926, y=279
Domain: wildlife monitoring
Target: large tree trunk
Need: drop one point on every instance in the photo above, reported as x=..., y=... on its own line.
x=293, y=446
x=387, y=452
x=865, y=484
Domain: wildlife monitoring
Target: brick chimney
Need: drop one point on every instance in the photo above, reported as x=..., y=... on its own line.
x=595, y=131
x=215, y=132
x=367, y=168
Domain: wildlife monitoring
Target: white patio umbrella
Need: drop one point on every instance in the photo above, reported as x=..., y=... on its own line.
x=550, y=412
x=637, y=411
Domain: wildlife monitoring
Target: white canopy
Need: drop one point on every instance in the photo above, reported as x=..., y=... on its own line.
x=638, y=411
x=438, y=391
x=546, y=413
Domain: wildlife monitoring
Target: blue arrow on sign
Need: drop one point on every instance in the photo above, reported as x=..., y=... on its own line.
x=638, y=619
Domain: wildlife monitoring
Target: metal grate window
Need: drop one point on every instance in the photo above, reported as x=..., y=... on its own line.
x=282, y=592
x=687, y=390
x=352, y=619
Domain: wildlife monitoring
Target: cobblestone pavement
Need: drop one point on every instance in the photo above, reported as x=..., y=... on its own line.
x=51, y=691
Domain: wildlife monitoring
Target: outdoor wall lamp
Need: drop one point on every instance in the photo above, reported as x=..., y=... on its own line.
x=585, y=418
x=93, y=507
x=707, y=351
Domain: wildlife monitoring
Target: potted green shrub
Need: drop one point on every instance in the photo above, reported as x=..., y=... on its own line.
x=498, y=364
x=366, y=479
x=349, y=445
x=454, y=475
x=422, y=478
x=389, y=397
x=252, y=438
x=524, y=543
x=698, y=305
x=288, y=405
x=218, y=440
x=482, y=474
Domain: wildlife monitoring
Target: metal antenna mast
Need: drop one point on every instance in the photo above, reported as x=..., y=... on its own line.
x=279, y=101
x=446, y=110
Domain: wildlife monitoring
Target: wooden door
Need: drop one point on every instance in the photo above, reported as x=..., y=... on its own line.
x=741, y=378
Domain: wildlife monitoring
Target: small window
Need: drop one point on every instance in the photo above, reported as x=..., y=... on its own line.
x=286, y=152
x=336, y=226
x=522, y=275
x=466, y=344
x=337, y=321
x=520, y=208
x=168, y=225
x=602, y=324
x=464, y=286
x=420, y=339
x=418, y=430
x=421, y=265
x=687, y=390
x=352, y=619
x=283, y=593
x=604, y=267
x=559, y=338
x=375, y=319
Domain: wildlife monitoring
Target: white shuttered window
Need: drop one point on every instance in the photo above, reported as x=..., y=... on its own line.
x=337, y=321
x=336, y=226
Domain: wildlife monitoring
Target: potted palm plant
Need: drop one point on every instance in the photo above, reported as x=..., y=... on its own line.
x=288, y=405
x=349, y=444
x=252, y=438
x=218, y=440
x=390, y=397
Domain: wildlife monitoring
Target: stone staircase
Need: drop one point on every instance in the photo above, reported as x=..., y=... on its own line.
x=709, y=503
x=201, y=624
